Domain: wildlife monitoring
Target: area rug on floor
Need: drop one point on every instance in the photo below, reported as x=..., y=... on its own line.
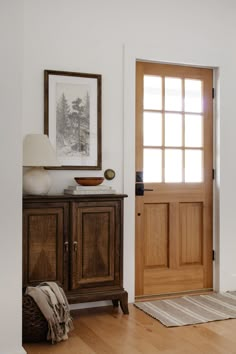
x=189, y=310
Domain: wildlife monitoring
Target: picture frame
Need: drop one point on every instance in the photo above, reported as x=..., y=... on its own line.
x=72, y=118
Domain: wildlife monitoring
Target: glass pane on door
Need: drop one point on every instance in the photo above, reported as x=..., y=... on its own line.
x=173, y=165
x=152, y=129
x=193, y=130
x=173, y=94
x=193, y=96
x=173, y=129
x=152, y=165
x=193, y=165
x=152, y=97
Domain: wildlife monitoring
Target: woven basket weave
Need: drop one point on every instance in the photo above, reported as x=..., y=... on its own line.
x=35, y=326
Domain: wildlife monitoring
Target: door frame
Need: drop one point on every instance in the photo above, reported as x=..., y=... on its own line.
x=131, y=55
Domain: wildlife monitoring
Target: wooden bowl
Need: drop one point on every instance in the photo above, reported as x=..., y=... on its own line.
x=89, y=181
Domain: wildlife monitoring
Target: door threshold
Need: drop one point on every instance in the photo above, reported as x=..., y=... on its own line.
x=172, y=295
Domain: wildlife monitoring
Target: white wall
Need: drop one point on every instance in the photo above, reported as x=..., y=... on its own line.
x=105, y=37
x=11, y=39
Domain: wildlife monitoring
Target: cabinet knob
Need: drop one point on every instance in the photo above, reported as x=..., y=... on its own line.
x=75, y=244
x=66, y=246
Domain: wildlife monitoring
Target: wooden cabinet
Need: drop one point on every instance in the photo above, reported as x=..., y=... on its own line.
x=78, y=242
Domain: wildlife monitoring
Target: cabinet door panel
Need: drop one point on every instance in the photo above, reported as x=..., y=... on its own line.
x=96, y=260
x=97, y=245
x=43, y=245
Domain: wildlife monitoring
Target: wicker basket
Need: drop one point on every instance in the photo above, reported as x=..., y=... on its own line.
x=35, y=326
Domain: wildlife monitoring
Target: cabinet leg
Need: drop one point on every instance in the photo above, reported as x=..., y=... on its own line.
x=124, y=303
x=115, y=303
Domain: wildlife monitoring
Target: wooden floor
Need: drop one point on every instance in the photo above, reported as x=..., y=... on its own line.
x=106, y=330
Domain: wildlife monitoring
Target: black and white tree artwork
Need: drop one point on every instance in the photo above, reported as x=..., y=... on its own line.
x=72, y=120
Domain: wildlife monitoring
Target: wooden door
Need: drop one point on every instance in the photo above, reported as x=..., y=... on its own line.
x=174, y=152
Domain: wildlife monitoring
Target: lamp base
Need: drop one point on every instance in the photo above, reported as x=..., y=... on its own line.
x=36, y=181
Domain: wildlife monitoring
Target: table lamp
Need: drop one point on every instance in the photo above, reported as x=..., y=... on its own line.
x=37, y=154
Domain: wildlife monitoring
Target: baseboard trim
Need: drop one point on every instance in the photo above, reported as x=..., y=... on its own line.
x=19, y=351
x=22, y=351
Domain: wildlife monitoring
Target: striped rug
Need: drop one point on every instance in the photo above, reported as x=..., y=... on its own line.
x=189, y=310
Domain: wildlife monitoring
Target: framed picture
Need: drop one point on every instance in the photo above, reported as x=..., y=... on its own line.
x=72, y=118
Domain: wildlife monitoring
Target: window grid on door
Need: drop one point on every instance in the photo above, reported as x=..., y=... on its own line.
x=173, y=129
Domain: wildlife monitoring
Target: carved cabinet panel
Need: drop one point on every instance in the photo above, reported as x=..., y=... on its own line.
x=96, y=245
x=44, y=234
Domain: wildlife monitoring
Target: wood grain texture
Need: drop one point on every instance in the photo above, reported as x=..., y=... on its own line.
x=96, y=240
x=179, y=239
x=106, y=330
x=77, y=242
x=174, y=280
x=97, y=260
x=43, y=244
x=191, y=233
x=156, y=227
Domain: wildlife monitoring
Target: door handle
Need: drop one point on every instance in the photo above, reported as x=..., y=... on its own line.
x=139, y=189
x=139, y=186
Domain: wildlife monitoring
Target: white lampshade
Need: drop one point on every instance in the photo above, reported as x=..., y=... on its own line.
x=37, y=153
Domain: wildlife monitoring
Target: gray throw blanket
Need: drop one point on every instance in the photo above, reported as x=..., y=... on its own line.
x=53, y=304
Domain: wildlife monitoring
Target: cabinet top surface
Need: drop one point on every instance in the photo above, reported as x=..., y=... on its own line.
x=73, y=197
